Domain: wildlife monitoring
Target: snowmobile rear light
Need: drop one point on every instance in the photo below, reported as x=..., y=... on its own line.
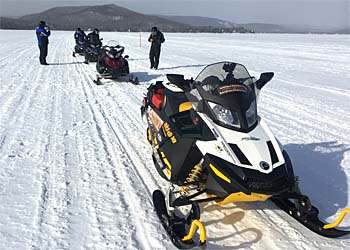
x=114, y=63
x=224, y=115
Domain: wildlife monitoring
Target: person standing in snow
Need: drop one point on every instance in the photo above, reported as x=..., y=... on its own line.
x=79, y=36
x=156, y=39
x=42, y=33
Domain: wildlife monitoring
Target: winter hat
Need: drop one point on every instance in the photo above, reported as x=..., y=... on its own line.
x=42, y=23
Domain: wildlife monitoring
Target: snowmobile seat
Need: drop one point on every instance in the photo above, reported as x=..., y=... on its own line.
x=157, y=98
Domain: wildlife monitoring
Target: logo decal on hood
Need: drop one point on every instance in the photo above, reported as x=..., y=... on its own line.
x=251, y=138
x=264, y=165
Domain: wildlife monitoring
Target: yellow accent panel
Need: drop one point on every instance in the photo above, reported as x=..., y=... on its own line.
x=185, y=106
x=168, y=172
x=149, y=137
x=167, y=163
x=338, y=220
x=242, y=197
x=218, y=173
x=202, y=233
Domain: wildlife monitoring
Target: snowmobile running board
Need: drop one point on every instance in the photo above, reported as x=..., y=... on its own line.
x=310, y=219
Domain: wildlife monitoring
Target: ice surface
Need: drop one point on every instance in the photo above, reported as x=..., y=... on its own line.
x=76, y=170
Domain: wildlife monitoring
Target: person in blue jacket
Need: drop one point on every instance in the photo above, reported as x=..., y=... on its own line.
x=42, y=33
x=79, y=36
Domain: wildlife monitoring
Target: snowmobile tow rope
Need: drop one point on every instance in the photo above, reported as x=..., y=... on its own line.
x=338, y=220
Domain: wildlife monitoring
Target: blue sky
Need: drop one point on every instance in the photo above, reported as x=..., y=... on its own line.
x=321, y=13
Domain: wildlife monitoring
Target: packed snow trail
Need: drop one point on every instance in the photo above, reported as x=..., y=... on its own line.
x=76, y=169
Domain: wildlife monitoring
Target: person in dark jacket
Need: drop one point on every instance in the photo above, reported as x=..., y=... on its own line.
x=156, y=39
x=42, y=33
x=79, y=36
x=93, y=38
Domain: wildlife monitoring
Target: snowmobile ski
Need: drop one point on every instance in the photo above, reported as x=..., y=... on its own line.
x=176, y=227
x=134, y=80
x=100, y=80
x=310, y=218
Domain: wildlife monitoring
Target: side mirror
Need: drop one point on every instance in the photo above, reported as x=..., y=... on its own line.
x=101, y=39
x=126, y=56
x=264, y=78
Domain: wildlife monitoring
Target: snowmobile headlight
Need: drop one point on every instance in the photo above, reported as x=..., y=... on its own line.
x=224, y=115
x=251, y=114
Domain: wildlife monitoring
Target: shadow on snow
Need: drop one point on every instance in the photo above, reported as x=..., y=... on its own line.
x=321, y=176
x=67, y=63
x=185, y=66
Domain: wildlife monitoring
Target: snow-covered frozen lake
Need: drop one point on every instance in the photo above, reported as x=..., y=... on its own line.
x=76, y=169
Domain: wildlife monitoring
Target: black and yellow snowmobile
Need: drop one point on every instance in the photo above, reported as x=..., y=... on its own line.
x=210, y=144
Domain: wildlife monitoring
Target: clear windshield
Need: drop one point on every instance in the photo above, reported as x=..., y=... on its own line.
x=229, y=91
x=225, y=77
x=112, y=43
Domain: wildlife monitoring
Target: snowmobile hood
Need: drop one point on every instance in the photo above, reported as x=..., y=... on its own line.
x=256, y=150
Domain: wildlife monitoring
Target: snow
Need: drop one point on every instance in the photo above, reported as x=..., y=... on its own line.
x=76, y=169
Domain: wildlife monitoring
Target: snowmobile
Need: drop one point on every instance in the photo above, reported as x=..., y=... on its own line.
x=92, y=52
x=211, y=145
x=111, y=64
x=79, y=48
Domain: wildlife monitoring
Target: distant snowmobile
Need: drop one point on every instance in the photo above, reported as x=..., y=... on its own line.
x=111, y=64
x=208, y=140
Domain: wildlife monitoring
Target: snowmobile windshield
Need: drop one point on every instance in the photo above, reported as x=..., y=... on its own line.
x=113, y=49
x=112, y=43
x=229, y=95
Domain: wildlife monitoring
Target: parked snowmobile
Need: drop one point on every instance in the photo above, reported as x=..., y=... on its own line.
x=111, y=64
x=92, y=52
x=79, y=48
x=209, y=141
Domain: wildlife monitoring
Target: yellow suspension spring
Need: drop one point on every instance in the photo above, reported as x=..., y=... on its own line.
x=193, y=176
